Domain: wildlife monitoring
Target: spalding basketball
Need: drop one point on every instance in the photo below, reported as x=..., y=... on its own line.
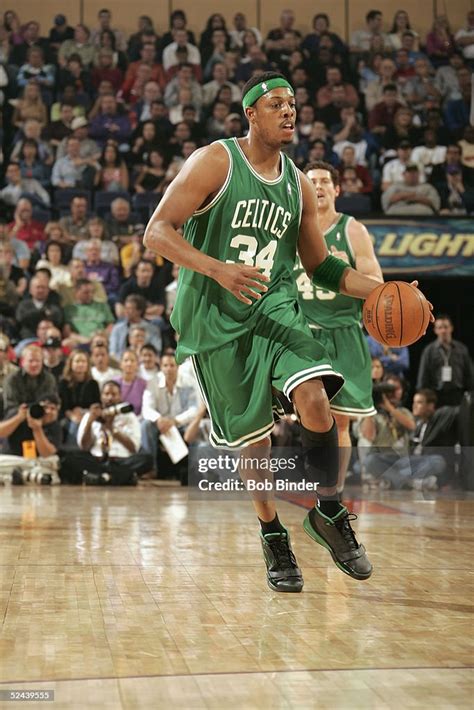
x=396, y=314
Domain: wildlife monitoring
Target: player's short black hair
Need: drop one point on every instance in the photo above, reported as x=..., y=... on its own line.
x=444, y=316
x=150, y=347
x=430, y=396
x=266, y=76
x=323, y=16
x=168, y=352
x=110, y=382
x=322, y=165
x=372, y=14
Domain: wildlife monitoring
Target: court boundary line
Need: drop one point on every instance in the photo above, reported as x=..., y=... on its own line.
x=222, y=673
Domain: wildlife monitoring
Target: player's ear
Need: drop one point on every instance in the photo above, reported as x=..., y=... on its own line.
x=337, y=190
x=250, y=114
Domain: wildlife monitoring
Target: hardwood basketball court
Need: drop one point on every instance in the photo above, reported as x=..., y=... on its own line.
x=139, y=598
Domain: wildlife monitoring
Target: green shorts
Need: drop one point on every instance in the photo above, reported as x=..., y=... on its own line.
x=237, y=379
x=349, y=354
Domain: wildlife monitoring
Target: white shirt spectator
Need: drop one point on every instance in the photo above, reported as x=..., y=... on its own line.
x=188, y=375
x=422, y=155
x=406, y=207
x=362, y=39
x=211, y=89
x=237, y=37
x=66, y=172
x=447, y=82
x=108, y=251
x=127, y=424
x=148, y=375
x=170, y=58
x=394, y=40
x=88, y=148
x=60, y=275
x=111, y=373
x=181, y=404
x=468, y=50
x=394, y=170
x=171, y=97
x=12, y=193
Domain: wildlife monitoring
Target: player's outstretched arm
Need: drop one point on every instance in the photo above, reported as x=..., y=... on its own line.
x=311, y=245
x=364, y=253
x=335, y=274
x=198, y=182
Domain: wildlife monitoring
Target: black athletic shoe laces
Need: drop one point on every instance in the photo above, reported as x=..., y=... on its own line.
x=283, y=554
x=344, y=527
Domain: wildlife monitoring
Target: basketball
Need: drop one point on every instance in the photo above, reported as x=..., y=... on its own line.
x=396, y=314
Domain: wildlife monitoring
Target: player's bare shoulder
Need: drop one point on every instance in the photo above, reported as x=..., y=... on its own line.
x=359, y=235
x=199, y=180
x=209, y=163
x=363, y=249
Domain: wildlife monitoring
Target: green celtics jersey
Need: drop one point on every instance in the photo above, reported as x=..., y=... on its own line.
x=321, y=307
x=250, y=221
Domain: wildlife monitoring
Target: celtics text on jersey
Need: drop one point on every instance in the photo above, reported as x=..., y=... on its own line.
x=251, y=221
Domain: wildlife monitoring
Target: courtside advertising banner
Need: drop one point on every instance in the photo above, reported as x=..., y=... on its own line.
x=431, y=247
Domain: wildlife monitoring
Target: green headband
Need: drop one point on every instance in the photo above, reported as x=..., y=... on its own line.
x=253, y=94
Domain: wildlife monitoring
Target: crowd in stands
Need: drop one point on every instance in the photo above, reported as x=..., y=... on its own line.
x=94, y=127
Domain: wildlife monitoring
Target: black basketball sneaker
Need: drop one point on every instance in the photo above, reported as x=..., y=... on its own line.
x=283, y=573
x=337, y=536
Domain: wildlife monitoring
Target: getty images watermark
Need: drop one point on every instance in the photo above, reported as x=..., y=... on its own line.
x=220, y=473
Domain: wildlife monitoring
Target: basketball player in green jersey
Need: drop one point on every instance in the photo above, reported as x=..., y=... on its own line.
x=246, y=210
x=336, y=319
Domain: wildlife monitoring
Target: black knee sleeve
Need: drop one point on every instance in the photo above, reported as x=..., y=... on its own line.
x=321, y=456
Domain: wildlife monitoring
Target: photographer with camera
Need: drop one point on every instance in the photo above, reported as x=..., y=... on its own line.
x=33, y=437
x=388, y=432
x=29, y=384
x=109, y=439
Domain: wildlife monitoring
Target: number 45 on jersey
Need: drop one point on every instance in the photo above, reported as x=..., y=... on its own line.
x=306, y=287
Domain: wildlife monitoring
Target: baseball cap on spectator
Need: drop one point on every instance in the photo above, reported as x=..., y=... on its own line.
x=404, y=144
x=79, y=122
x=52, y=343
x=411, y=168
x=60, y=20
x=234, y=117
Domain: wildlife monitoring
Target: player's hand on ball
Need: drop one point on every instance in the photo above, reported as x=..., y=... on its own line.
x=242, y=281
x=340, y=254
x=432, y=318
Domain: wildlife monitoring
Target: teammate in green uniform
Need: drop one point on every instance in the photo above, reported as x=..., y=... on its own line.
x=336, y=319
x=246, y=210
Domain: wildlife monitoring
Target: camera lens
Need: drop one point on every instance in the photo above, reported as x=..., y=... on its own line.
x=36, y=411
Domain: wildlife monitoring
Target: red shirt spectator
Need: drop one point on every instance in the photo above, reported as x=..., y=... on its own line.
x=383, y=113
x=147, y=57
x=405, y=68
x=348, y=160
x=24, y=227
x=333, y=78
x=440, y=43
x=105, y=71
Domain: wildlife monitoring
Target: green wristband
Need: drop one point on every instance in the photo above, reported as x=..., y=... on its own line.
x=329, y=273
